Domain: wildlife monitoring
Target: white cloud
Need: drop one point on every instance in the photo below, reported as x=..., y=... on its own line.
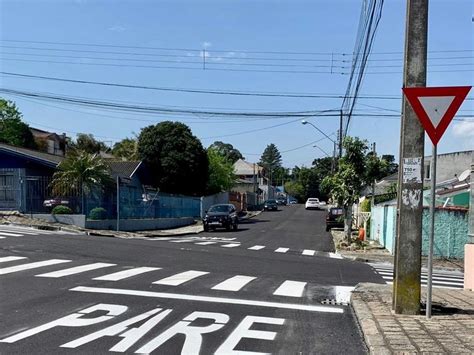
x=117, y=28
x=464, y=129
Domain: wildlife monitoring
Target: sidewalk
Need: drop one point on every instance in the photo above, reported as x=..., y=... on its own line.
x=449, y=331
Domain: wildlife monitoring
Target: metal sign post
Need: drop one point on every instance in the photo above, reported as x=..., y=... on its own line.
x=435, y=108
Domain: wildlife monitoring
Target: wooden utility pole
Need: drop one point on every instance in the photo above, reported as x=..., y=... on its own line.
x=407, y=272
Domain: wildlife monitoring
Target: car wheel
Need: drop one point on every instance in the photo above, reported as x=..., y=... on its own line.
x=228, y=227
x=235, y=226
x=328, y=229
x=206, y=228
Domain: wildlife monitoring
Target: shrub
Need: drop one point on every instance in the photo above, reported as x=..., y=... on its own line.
x=365, y=206
x=98, y=213
x=61, y=210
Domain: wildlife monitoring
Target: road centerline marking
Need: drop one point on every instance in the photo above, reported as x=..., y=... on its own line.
x=282, y=250
x=186, y=297
x=257, y=247
x=309, y=252
x=6, y=259
x=232, y=245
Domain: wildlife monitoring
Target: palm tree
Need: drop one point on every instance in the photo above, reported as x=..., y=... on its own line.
x=81, y=171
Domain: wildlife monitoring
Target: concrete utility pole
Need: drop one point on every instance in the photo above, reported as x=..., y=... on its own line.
x=340, y=135
x=469, y=247
x=407, y=273
x=373, y=182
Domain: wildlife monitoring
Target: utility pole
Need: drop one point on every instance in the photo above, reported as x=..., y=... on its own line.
x=340, y=135
x=374, y=152
x=407, y=272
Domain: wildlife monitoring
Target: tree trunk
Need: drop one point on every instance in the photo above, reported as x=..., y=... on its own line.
x=348, y=222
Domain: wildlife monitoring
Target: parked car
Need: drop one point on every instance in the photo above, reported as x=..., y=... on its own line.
x=53, y=202
x=270, y=205
x=312, y=203
x=335, y=218
x=221, y=216
x=281, y=201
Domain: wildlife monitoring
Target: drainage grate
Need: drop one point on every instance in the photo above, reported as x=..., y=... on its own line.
x=333, y=302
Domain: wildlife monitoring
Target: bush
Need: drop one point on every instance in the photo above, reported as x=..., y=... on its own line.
x=61, y=210
x=366, y=206
x=98, y=213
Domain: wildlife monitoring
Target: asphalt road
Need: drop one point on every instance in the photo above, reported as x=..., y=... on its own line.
x=261, y=289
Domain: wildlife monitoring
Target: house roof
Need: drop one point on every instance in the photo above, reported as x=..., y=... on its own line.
x=241, y=167
x=44, y=134
x=40, y=157
x=123, y=168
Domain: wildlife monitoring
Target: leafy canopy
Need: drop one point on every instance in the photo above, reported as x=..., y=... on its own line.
x=87, y=143
x=81, y=171
x=176, y=158
x=12, y=130
x=126, y=148
x=227, y=151
x=221, y=172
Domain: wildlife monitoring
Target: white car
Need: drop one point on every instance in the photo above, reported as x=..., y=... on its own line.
x=312, y=203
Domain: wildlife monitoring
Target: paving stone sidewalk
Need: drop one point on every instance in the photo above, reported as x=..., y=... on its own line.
x=449, y=331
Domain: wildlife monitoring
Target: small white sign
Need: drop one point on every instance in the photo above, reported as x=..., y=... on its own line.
x=412, y=170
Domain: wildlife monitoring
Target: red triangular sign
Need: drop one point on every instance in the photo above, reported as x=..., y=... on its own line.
x=436, y=107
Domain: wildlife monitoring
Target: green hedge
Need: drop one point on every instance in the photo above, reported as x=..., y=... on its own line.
x=61, y=210
x=98, y=213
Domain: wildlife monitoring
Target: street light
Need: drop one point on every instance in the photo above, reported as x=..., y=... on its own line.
x=324, y=134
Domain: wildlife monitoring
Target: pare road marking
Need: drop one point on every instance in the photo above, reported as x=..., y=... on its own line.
x=131, y=334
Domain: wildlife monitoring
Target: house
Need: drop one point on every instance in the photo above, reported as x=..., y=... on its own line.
x=49, y=142
x=251, y=178
x=448, y=166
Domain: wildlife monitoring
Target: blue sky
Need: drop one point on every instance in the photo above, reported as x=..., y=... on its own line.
x=226, y=29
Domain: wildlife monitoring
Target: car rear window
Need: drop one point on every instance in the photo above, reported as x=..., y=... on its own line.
x=313, y=200
x=336, y=211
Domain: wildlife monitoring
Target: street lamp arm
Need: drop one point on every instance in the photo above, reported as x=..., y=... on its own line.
x=324, y=134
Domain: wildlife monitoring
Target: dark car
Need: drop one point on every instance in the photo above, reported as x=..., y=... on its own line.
x=281, y=201
x=270, y=205
x=221, y=216
x=335, y=218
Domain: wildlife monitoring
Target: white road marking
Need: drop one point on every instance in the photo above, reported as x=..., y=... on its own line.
x=233, y=245
x=335, y=256
x=309, y=252
x=234, y=283
x=180, y=278
x=6, y=234
x=180, y=296
x=117, y=276
x=454, y=279
x=2, y=237
x=181, y=241
x=6, y=259
x=343, y=293
x=205, y=243
x=22, y=231
x=290, y=289
x=282, y=250
x=11, y=269
x=75, y=270
x=257, y=247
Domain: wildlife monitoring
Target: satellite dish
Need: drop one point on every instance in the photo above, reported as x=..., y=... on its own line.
x=464, y=175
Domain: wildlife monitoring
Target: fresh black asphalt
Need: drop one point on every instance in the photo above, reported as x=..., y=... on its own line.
x=254, y=318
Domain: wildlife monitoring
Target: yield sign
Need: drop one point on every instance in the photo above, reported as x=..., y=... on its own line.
x=436, y=107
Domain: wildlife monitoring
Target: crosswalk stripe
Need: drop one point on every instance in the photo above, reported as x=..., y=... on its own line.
x=309, y=252
x=335, y=256
x=6, y=259
x=180, y=278
x=234, y=283
x=435, y=273
x=116, y=276
x=282, y=250
x=435, y=277
x=11, y=234
x=257, y=247
x=22, y=267
x=2, y=237
x=205, y=243
x=75, y=270
x=181, y=241
x=290, y=289
x=233, y=245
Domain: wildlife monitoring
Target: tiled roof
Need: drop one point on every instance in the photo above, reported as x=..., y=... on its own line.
x=122, y=168
x=42, y=157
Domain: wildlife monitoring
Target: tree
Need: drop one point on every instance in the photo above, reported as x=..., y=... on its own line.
x=221, y=172
x=345, y=185
x=126, y=148
x=270, y=159
x=87, y=143
x=81, y=171
x=227, y=150
x=392, y=166
x=177, y=161
x=295, y=189
x=12, y=130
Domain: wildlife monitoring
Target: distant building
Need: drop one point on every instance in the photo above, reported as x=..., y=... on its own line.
x=50, y=142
